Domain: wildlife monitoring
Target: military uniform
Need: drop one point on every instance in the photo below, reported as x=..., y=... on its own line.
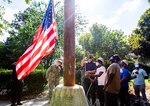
x=52, y=76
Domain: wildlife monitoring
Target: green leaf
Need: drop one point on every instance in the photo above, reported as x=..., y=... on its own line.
x=28, y=1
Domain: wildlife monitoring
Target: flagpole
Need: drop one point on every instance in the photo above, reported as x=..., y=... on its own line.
x=55, y=20
x=69, y=94
x=69, y=43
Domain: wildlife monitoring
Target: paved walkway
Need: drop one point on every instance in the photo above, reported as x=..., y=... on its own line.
x=43, y=101
x=32, y=102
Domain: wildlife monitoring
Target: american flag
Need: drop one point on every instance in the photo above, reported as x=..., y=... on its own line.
x=43, y=44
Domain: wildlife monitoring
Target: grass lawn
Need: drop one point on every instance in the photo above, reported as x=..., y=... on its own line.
x=147, y=82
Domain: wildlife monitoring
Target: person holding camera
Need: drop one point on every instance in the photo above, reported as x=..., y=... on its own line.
x=139, y=75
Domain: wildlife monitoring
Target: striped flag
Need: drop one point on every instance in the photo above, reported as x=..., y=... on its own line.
x=43, y=44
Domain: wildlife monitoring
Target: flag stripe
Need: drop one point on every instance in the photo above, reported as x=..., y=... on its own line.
x=42, y=45
x=30, y=48
x=35, y=51
x=28, y=63
x=36, y=36
x=28, y=53
x=27, y=71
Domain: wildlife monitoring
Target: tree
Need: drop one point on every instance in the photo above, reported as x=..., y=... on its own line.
x=28, y=1
x=4, y=25
x=25, y=25
x=140, y=37
x=24, y=28
x=103, y=42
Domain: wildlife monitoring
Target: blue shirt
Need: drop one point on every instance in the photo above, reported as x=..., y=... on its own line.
x=140, y=74
x=124, y=73
x=89, y=66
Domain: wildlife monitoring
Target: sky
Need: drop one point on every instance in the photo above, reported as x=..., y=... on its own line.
x=115, y=14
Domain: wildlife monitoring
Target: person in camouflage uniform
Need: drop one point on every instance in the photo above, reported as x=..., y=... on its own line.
x=53, y=75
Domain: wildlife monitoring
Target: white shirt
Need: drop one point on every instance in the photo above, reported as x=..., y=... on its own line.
x=101, y=79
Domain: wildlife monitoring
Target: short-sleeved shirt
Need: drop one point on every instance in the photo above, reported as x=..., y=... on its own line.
x=114, y=86
x=89, y=66
x=101, y=79
x=140, y=74
x=124, y=73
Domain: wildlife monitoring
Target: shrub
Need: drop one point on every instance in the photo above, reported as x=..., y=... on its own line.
x=5, y=76
x=33, y=83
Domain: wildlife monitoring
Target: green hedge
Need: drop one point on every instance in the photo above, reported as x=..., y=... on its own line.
x=5, y=76
x=33, y=83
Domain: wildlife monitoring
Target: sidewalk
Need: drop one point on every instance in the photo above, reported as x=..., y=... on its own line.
x=32, y=102
x=43, y=101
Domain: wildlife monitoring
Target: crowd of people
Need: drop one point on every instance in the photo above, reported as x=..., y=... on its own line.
x=110, y=85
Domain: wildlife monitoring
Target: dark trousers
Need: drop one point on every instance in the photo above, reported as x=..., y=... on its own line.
x=124, y=97
x=138, y=89
x=100, y=94
x=111, y=99
x=16, y=92
x=87, y=85
x=16, y=96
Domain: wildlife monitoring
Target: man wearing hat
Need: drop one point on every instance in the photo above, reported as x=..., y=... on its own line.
x=88, y=80
x=124, y=78
x=53, y=75
x=100, y=74
x=139, y=76
x=112, y=82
